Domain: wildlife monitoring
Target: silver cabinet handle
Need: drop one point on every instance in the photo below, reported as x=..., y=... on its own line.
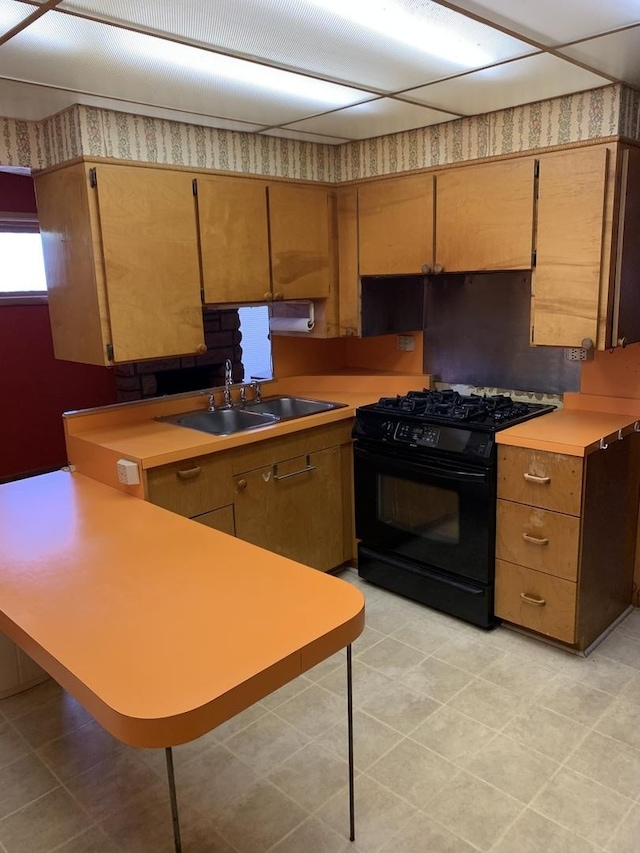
x=535, y=540
x=307, y=468
x=531, y=478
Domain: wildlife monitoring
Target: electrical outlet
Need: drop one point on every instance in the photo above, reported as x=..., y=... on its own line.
x=578, y=354
x=405, y=343
x=128, y=472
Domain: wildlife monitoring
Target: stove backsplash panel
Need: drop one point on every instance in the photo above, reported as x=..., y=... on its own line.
x=477, y=330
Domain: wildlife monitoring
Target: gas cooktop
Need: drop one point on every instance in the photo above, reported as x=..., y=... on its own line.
x=451, y=408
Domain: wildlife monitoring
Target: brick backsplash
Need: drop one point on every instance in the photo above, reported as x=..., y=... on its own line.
x=142, y=379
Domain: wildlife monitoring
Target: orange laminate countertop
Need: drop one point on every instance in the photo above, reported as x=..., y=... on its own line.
x=574, y=432
x=161, y=627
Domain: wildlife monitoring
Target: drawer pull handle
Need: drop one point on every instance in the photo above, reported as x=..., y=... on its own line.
x=188, y=473
x=535, y=540
x=530, y=599
x=541, y=481
x=307, y=468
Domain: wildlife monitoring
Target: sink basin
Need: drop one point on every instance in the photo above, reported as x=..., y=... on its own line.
x=222, y=421
x=285, y=408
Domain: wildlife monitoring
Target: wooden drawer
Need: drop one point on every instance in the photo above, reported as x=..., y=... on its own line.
x=539, y=539
x=535, y=477
x=537, y=601
x=192, y=487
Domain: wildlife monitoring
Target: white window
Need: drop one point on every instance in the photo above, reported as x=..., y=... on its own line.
x=256, y=343
x=21, y=261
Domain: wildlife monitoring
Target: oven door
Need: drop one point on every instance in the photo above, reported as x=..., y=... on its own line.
x=437, y=513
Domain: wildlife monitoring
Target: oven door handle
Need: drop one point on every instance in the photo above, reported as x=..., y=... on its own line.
x=401, y=464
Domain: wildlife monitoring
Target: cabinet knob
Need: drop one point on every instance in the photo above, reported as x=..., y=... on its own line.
x=201, y=348
x=279, y=295
x=241, y=485
x=437, y=269
x=426, y=269
x=268, y=297
x=587, y=343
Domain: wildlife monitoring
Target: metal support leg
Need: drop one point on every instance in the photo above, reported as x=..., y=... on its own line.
x=174, y=801
x=352, y=816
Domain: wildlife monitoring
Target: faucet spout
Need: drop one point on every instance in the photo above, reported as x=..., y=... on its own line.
x=228, y=382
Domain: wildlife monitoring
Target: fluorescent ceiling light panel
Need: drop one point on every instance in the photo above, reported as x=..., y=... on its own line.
x=426, y=26
x=251, y=73
x=12, y=13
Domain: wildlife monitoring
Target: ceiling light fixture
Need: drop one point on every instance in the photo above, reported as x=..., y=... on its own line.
x=251, y=73
x=420, y=24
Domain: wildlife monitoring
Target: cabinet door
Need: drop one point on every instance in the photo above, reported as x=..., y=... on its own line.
x=566, y=281
x=395, y=223
x=294, y=508
x=300, y=245
x=151, y=263
x=234, y=239
x=72, y=259
x=484, y=217
x=626, y=316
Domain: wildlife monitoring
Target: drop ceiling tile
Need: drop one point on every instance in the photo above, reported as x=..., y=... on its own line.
x=617, y=54
x=554, y=22
x=533, y=78
x=371, y=43
x=64, y=51
x=288, y=133
x=375, y=118
x=12, y=13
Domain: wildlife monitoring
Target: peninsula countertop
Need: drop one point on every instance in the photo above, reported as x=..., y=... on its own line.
x=161, y=627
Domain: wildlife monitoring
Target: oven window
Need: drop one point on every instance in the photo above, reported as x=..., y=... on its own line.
x=428, y=511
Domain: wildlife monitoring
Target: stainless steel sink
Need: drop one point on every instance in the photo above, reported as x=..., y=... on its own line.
x=285, y=408
x=222, y=421
x=252, y=415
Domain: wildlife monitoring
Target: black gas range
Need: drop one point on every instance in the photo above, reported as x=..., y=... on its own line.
x=434, y=423
x=425, y=488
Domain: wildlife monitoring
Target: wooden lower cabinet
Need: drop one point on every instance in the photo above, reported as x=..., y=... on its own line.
x=294, y=508
x=220, y=519
x=566, y=574
x=292, y=494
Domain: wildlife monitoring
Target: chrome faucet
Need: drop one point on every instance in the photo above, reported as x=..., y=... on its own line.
x=228, y=382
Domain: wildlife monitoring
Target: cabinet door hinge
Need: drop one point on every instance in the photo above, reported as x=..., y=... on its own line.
x=109, y=349
x=534, y=258
x=536, y=169
x=194, y=186
x=532, y=333
x=93, y=178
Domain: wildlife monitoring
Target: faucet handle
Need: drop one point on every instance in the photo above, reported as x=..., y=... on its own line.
x=228, y=371
x=257, y=390
x=243, y=394
x=212, y=401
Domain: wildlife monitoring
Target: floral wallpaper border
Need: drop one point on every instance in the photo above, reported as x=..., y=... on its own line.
x=96, y=132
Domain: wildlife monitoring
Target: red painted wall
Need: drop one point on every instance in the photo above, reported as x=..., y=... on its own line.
x=35, y=388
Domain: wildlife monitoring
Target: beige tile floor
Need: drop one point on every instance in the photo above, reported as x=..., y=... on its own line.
x=465, y=741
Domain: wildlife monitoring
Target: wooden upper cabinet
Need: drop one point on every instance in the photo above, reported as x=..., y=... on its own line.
x=152, y=268
x=484, y=217
x=395, y=225
x=234, y=239
x=626, y=307
x=299, y=222
x=570, y=224
x=72, y=251
x=122, y=265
